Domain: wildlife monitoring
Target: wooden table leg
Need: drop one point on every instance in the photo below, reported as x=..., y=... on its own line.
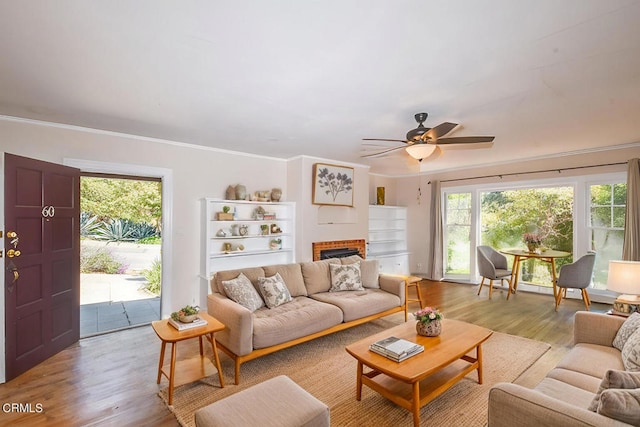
x=406, y=298
x=201, y=350
x=515, y=275
x=216, y=358
x=553, y=275
x=359, y=382
x=172, y=372
x=162, y=347
x=415, y=403
x=479, y=357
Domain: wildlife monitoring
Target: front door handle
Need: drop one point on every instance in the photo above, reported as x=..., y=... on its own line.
x=11, y=266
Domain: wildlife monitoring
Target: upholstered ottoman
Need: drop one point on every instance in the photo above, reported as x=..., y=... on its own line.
x=277, y=402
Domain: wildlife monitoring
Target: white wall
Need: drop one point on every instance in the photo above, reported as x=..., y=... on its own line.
x=325, y=223
x=197, y=173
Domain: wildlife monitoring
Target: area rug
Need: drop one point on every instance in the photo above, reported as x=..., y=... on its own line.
x=327, y=371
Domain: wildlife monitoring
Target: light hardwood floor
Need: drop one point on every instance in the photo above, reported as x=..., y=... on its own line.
x=111, y=379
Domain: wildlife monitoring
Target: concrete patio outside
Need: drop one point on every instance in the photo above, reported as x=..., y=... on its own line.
x=111, y=302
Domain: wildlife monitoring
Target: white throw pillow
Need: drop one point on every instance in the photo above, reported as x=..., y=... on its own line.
x=274, y=290
x=345, y=277
x=631, y=352
x=630, y=325
x=242, y=291
x=369, y=270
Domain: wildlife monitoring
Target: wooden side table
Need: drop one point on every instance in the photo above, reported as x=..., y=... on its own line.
x=191, y=369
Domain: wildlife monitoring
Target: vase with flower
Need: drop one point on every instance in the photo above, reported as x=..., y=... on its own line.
x=429, y=322
x=533, y=241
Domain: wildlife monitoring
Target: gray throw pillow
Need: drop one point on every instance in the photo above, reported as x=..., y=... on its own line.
x=629, y=326
x=621, y=405
x=613, y=379
x=242, y=291
x=274, y=290
x=631, y=352
x=345, y=277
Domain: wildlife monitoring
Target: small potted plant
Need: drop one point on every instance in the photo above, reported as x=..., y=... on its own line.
x=225, y=215
x=276, y=243
x=428, y=321
x=186, y=314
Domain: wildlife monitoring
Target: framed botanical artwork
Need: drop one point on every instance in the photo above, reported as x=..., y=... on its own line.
x=332, y=185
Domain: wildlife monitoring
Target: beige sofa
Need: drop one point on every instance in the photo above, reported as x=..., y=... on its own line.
x=563, y=397
x=314, y=311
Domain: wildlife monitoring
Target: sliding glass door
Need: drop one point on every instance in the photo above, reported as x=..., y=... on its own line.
x=576, y=215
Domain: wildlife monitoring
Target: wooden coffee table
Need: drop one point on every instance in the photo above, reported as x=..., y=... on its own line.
x=190, y=369
x=421, y=378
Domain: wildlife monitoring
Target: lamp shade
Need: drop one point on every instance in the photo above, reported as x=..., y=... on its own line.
x=420, y=151
x=624, y=277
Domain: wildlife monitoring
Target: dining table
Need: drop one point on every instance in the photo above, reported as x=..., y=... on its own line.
x=547, y=255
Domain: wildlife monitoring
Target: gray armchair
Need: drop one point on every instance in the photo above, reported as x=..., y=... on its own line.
x=577, y=276
x=492, y=265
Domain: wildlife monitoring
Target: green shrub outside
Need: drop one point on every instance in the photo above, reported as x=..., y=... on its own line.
x=99, y=260
x=154, y=277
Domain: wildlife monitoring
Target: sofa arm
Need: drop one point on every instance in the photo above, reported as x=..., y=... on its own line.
x=595, y=328
x=237, y=335
x=511, y=405
x=393, y=285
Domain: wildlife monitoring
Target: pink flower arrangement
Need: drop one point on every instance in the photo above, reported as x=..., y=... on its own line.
x=428, y=315
x=534, y=238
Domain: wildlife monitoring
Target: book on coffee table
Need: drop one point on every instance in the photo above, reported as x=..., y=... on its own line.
x=181, y=326
x=395, y=348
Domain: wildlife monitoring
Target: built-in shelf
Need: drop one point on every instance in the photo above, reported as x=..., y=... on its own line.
x=388, y=238
x=247, y=239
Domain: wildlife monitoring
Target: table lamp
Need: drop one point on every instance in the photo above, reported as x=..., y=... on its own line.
x=624, y=278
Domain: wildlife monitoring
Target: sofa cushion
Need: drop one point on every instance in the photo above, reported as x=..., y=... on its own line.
x=615, y=379
x=273, y=290
x=592, y=359
x=291, y=275
x=565, y=392
x=345, y=277
x=242, y=291
x=630, y=325
x=576, y=379
x=316, y=275
x=252, y=274
x=369, y=270
x=621, y=405
x=298, y=318
x=631, y=352
x=358, y=304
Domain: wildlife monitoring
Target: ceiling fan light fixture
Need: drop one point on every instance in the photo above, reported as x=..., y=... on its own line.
x=420, y=151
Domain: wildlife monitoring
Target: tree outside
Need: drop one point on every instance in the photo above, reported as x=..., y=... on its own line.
x=507, y=215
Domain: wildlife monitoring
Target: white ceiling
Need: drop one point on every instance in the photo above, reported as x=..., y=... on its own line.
x=287, y=78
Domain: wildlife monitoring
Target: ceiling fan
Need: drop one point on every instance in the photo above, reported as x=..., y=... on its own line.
x=422, y=141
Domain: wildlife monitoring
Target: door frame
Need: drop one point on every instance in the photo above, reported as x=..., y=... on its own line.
x=3, y=365
x=166, y=175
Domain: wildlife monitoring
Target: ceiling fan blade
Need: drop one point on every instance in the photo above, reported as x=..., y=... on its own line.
x=380, y=153
x=465, y=140
x=389, y=140
x=439, y=131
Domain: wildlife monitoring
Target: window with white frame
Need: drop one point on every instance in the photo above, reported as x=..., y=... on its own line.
x=576, y=214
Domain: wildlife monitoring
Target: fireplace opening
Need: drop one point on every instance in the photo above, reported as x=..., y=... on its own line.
x=338, y=253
